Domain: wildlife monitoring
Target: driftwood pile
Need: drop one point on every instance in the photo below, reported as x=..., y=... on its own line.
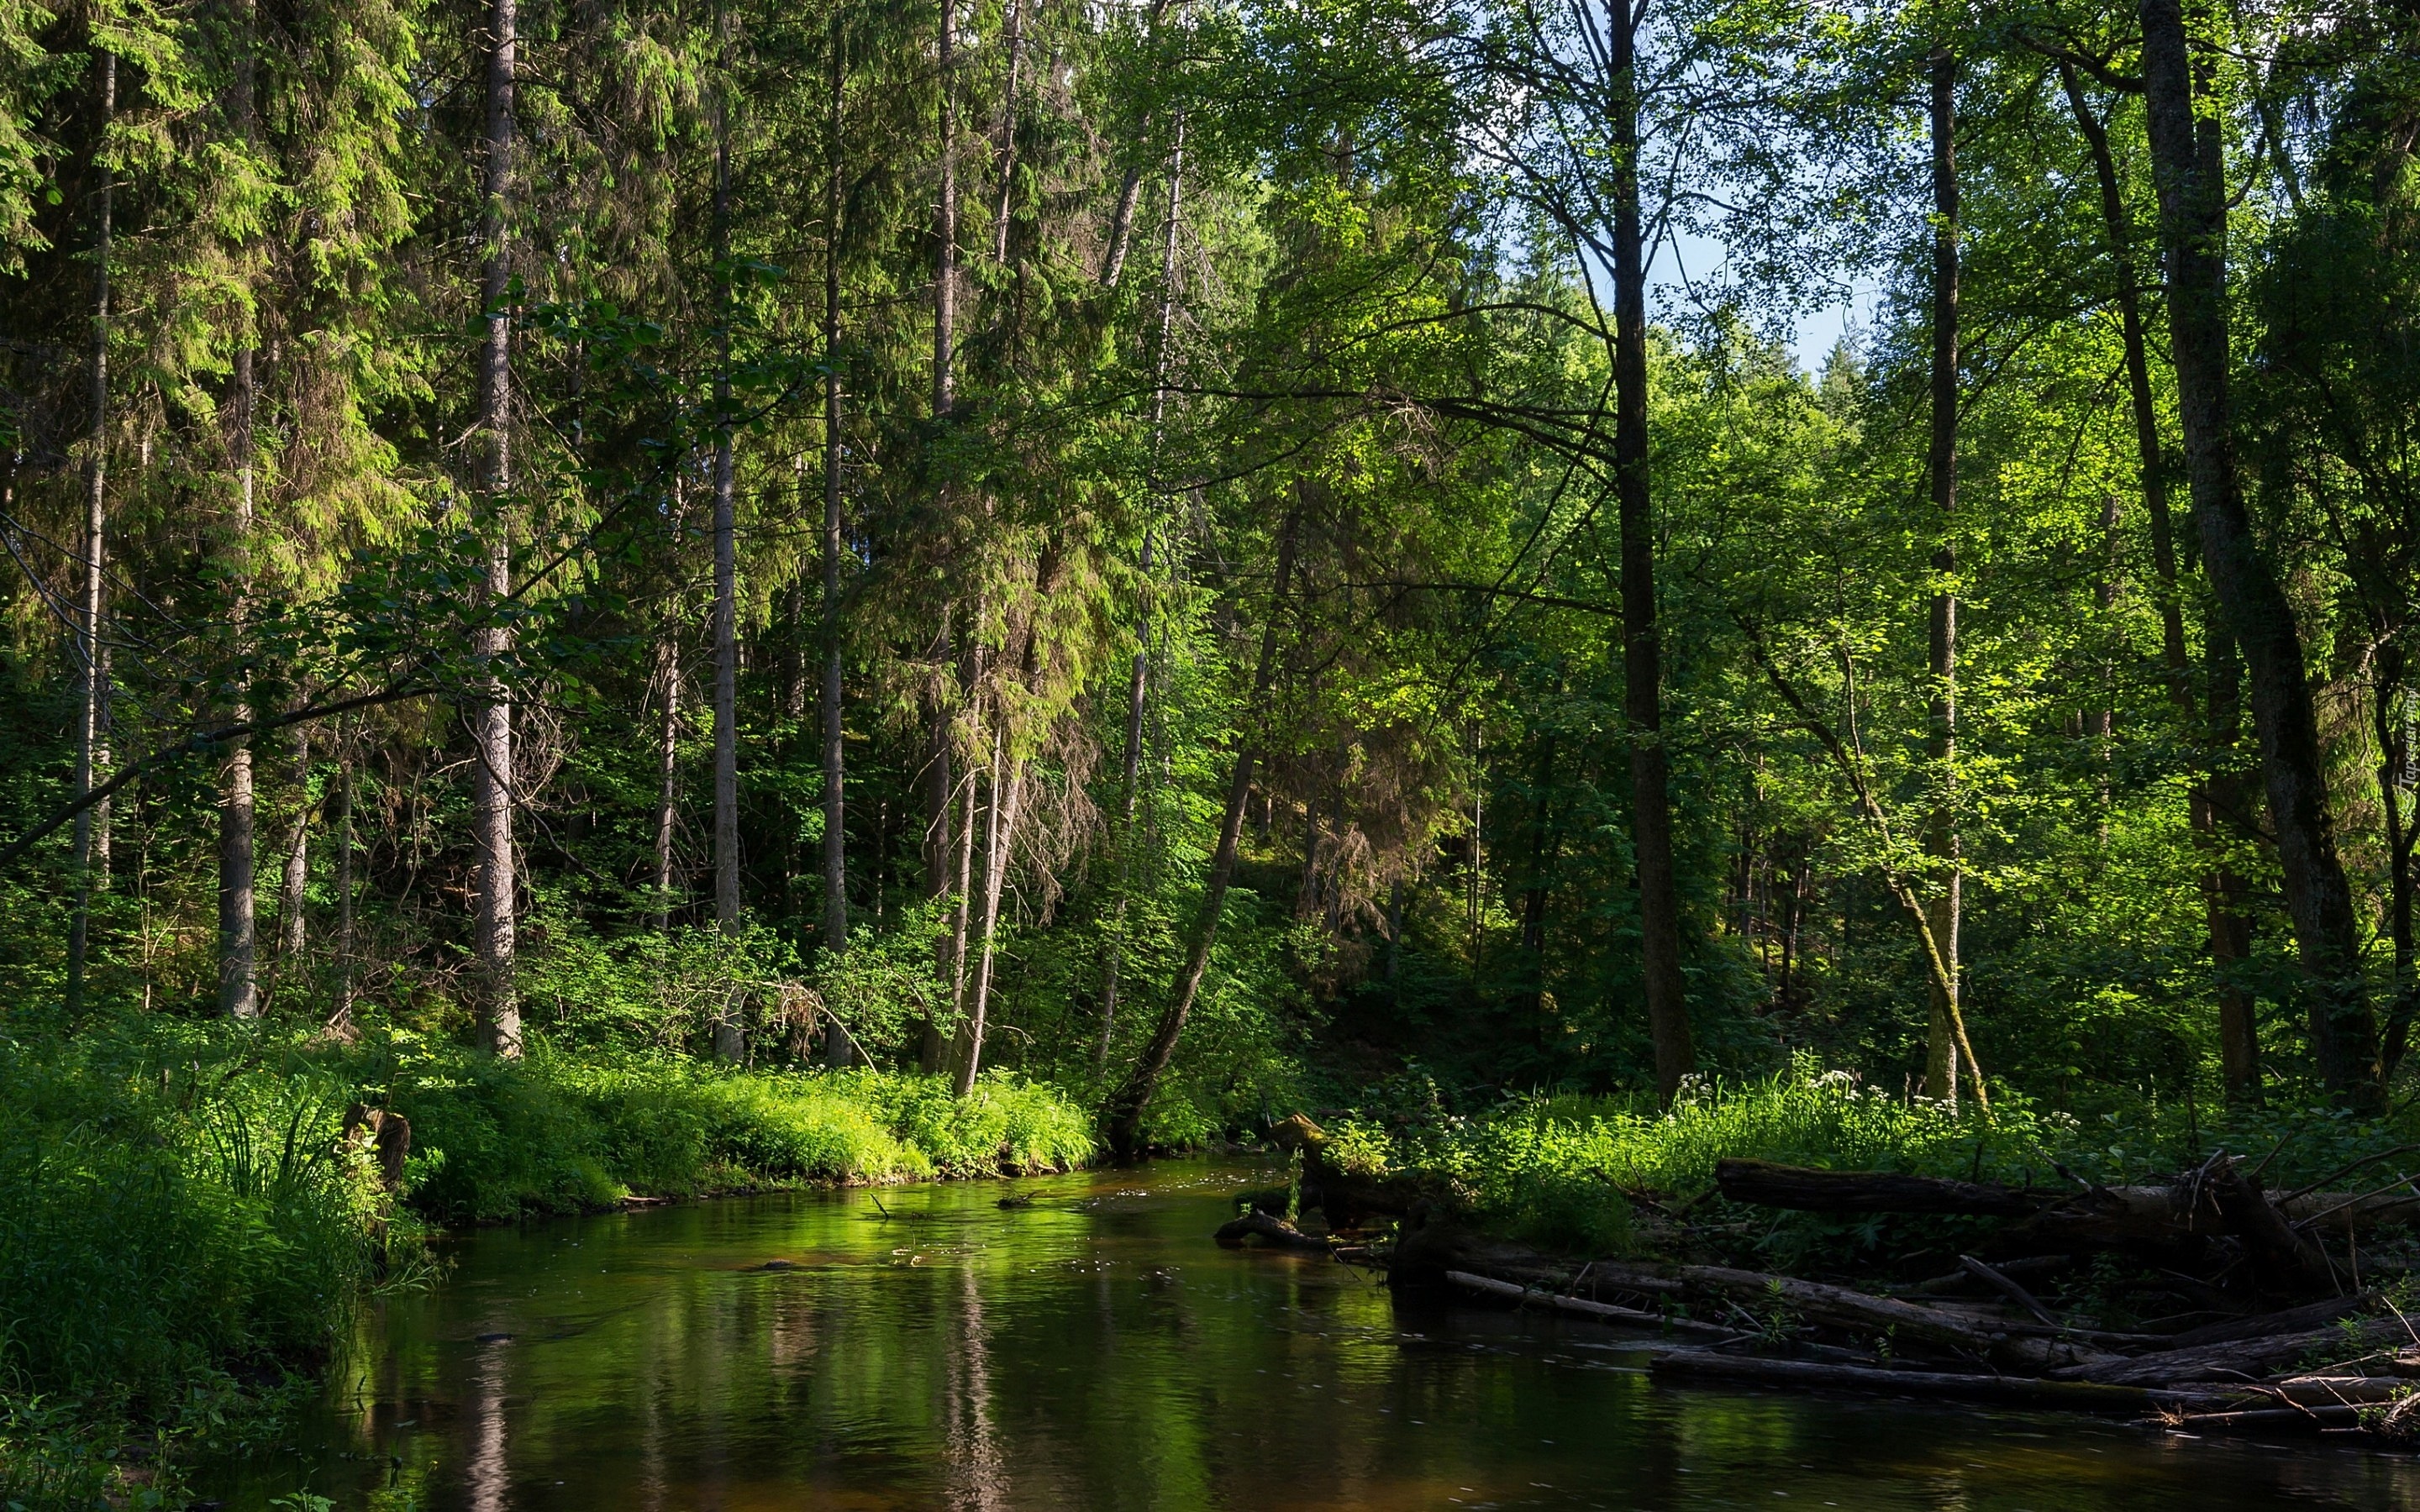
x=2288, y=1327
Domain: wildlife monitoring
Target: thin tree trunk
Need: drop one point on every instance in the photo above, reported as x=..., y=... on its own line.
x=2226, y=896
x=1122, y=1117
x=999, y=840
x=238, y=940
x=1533, y=900
x=497, y=998
x=2394, y=765
x=668, y=676
x=1114, y=265
x=2186, y=158
x=292, y=928
x=1139, y=682
x=940, y=837
x=344, y=777
x=89, y=755
x=2238, y=1032
x=728, y=1046
x=1008, y=131
x=836, y=925
x=945, y=226
x=1944, y=1029
x=1659, y=908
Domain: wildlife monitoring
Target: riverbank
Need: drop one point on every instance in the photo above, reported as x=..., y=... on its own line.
x=186, y=1226
x=1809, y=1231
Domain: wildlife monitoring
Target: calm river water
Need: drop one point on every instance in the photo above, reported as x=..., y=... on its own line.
x=1095, y=1350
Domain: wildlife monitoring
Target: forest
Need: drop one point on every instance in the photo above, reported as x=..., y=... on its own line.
x=695, y=593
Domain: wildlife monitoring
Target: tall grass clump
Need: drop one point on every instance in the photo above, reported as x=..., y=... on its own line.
x=167, y=1214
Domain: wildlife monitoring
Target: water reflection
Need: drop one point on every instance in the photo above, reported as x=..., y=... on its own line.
x=1095, y=1350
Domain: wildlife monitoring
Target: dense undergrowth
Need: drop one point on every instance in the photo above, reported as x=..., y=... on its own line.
x=183, y=1230
x=1577, y=1174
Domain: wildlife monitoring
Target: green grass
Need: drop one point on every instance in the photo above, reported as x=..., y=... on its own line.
x=1566, y=1172
x=183, y=1232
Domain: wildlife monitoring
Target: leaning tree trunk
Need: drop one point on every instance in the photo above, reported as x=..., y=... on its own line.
x=497, y=998
x=2192, y=221
x=940, y=837
x=1944, y=1029
x=2238, y=1028
x=1139, y=679
x=239, y=944
x=728, y=1046
x=89, y=757
x=1122, y=1117
x=1642, y=651
x=999, y=842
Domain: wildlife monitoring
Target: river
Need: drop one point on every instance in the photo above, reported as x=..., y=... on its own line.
x=924, y=1347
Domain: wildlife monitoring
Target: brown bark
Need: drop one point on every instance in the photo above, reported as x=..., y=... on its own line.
x=2192, y=215
x=2245, y=1357
x=1122, y=1117
x=1659, y=906
x=495, y=997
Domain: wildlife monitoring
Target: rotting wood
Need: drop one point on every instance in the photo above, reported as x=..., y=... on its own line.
x=1603, y=1311
x=1274, y=1231
x=2245, y=1357
x=2028, y=1390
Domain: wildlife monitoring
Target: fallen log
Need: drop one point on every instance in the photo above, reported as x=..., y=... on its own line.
x=2249, y=1358
x=1603, y=1311
x=2024, y=1390
x=2270, y=1417
x=1858, y=1312
x=1274, y=1231
x=2292, y=1321
x=2103, y=1215
x=2336, y=1391
x=1766, y=1184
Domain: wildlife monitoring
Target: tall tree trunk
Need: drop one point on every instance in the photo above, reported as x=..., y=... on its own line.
x=945, y=225
x=1946, y=1030
x=836, y=925
x=1643, y=653
x=668, y=678
x=1139, y=679
x=90, y=758
x=2238, y=1033
x=2193, y=217
x=497, y=995
x=239, y=993
x=2394, y=781
x=1122, y=1117
x=940, y=841
x=728, y=1047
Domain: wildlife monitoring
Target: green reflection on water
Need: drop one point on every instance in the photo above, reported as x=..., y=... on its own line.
x=1095, y=1350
